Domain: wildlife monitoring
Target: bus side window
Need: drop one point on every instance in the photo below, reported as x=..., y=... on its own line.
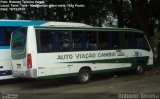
x=103, y=40
x=141, y=42
x=54, y=41
x=45, y=40
x=145, y=45
x=128, y=41
x=84, y=41
x=113, y=39
x=77, y=40
x=91, y=41
x=116, y=41
x=60, y=40
x=65, y=39
x=138, y=41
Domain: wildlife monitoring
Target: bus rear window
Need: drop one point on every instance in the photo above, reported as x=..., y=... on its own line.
x=19, y=39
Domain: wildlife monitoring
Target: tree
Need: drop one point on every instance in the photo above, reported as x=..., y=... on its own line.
x=118, y=10
x=145, y=13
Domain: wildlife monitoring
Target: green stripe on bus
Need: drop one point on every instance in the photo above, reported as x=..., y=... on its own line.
x=120, y=60
x=76, y=74
x=59, y=76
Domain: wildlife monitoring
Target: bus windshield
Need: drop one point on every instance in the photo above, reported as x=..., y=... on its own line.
x=18, y=41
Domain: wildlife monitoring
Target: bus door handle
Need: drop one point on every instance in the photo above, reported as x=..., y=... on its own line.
x=1, y=66
x=69, y=65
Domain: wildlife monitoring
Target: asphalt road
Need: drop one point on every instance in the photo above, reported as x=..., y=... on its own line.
x=107, y=86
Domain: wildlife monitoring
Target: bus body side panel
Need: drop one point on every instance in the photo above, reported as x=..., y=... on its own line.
x=138, y=55
x=147, y=56
x=5, y=64
x=150, y=63
x=59, y=63
x=48, y=65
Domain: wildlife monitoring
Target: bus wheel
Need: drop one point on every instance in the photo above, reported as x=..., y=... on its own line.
x=140, y=69
x=84, y=76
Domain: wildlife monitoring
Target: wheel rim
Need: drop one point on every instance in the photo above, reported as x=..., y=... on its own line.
x=84, y=76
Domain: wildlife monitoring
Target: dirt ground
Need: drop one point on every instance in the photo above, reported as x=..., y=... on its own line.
x=105, y=86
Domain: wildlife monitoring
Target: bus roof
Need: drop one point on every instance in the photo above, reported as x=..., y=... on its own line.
x=20, y=23
x=40, y=23
x=65, y=24
x=61, y=25
x=88, y=28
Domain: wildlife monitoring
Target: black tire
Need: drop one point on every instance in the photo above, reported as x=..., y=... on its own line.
x=84, y=76
x=140, y=69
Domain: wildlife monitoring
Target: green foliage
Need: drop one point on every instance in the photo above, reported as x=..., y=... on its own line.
x=141, y=14
x=2, y=15
x=156, y=39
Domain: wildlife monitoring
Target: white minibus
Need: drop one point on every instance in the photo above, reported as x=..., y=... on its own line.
x=77, y=51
